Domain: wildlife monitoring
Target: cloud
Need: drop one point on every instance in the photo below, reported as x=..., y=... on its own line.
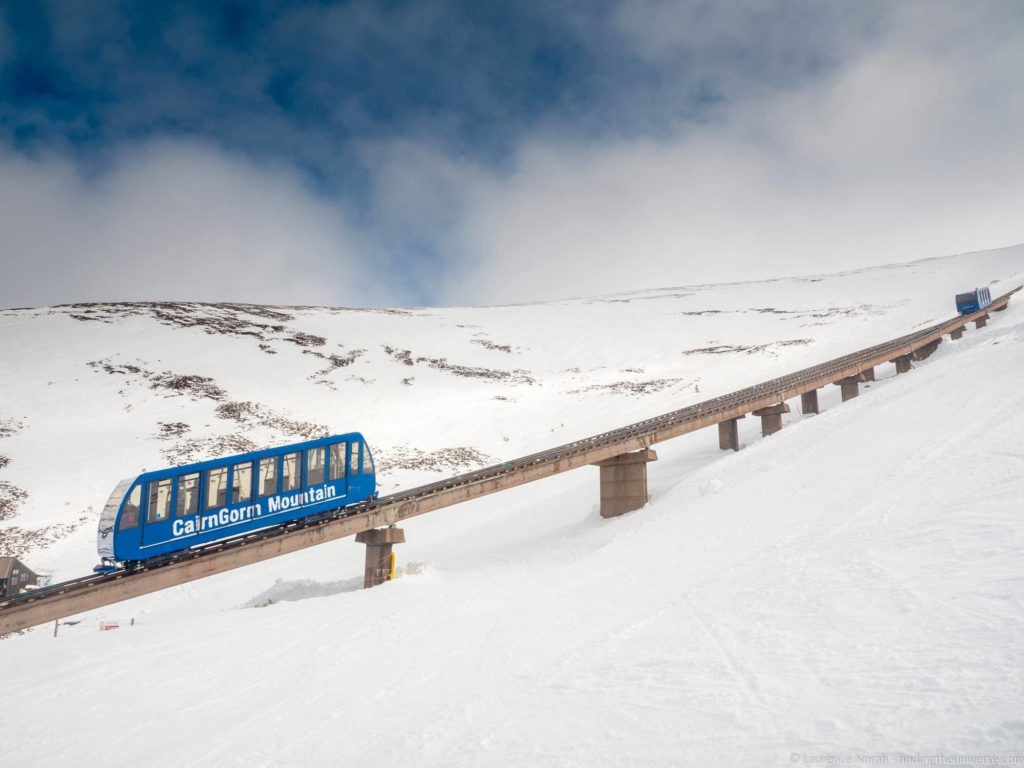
x=461, y=153
x=909, y=148
x=173, y=220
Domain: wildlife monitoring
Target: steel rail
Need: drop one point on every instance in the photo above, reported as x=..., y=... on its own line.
x=94, y=591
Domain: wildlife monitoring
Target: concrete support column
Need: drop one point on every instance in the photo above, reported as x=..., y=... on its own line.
x=957, y=333
x=771, y=418
x=868, y=374
x=902, y=364
x=624, y=482
x=981, y=322
x=850, y=387
x=923, y=353
x=809, y=402
x=729, y=434
x=379, y=544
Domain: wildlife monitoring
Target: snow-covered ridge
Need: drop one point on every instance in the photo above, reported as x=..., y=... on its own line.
x=848, y=586
x=103, y=391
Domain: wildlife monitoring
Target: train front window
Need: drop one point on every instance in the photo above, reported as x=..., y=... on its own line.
x=216, y=487
x=268, y=476
x=241, y=485
x=353, y=458
x=290, y=472
x=367, y=461
x=188, y=494
x=130, y=512
x=159, y=501
x=337, y=461
x=314, y=466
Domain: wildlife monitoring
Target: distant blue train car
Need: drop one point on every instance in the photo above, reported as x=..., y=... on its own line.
x=977, y=299
x=169, y=510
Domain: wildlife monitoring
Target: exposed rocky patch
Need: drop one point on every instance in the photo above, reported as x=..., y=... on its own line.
x=195, y=386
x=634, y=387
x=487, y=344
x=250, y=414
x=334, y=362
x=452, y=460
x=307, y=340
x=727, y=349
x=263, y=324
x=10, y=427
x=171, y=430
x=517, y=376
x=195, y=449
x=404, y=356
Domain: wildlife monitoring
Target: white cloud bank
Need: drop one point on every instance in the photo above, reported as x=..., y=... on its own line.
x=911, y=149
x=906, y=144
x=173, y=221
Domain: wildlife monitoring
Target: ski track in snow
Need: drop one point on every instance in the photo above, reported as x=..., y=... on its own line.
x=851, y=585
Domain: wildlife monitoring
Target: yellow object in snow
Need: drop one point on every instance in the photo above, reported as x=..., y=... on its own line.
x=391, y=566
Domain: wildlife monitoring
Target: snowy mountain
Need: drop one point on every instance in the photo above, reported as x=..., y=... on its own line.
x=848, y=586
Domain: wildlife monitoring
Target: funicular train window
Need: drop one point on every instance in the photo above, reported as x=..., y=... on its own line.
x=241, y=484
x=353, y=459
x=268, y=476
x=290, y=476
x=159, y=501
x=216, y=487
x=337, y=461
x=314, y=466
x=188, y=494
x=367, y=461
x=130, y=513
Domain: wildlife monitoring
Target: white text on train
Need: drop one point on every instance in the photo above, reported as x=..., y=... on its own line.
x=225, y=516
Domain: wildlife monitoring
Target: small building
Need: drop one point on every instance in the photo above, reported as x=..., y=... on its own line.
x=15, y=576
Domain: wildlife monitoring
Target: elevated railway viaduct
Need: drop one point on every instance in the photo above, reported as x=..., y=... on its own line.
x=622, y=455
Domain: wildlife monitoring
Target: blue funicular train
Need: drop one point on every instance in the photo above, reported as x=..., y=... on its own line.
x=972, y=301
x=158, y=513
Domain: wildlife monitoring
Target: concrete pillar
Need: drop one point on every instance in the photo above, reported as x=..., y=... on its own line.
x=624, y=482
x=981, y=322
x=850, y=387
x=771, y=418
x=957, y=333
x=923, y=353
x=809, y=402
x=868, y=374
x=379, y=543
x=729, y=434
x=902, y=364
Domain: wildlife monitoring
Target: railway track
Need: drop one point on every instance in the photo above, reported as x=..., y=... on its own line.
x=93, y=591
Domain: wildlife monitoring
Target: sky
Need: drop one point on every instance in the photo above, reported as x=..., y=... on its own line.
x=438, y=153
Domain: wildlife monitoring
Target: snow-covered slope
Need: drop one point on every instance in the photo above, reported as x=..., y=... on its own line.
x=850, y=585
